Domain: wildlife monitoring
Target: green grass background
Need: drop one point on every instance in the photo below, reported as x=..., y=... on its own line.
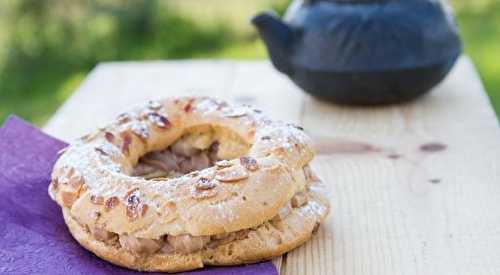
x=48, y=46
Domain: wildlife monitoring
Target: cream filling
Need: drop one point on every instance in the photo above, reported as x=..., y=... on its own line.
x=196, y=150
x=186, y=243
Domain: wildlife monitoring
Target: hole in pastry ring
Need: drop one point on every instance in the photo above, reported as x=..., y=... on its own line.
x=92, y=178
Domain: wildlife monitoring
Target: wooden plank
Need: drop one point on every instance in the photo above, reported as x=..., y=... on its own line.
x=258, y=84
x=397, y=209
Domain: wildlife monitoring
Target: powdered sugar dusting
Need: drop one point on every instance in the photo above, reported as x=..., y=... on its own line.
x=106, y=174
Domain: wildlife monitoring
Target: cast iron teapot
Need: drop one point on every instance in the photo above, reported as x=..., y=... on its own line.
x=363, y=51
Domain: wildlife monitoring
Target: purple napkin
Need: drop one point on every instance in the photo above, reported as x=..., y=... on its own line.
x=33, y=236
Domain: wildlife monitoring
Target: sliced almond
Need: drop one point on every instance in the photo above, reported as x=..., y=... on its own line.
x=69, y=172
x=124, y=118
x=234, y=173
x=55, y=184
x=127, y=140
x=249, y=163
x=236, y=112
x=111, y=202
x=315, y=228
x=204, y=183
x=299, y=199
x=89, y=137
x=144, y=209
x=68, y=198
x=109, y=136
x=170, y=208
x=276, y=237
x=134, y=205
x=203, y=194
x=59, y=172
x=76, y=181
x=309, y=174
x=265, y=138
x=141, y=130
x=189, y=106
x=298, y=127
x=99, y=200
x=154, y=105
x=159, y=120
x=193, y=174
x=283, y=212
x=101, y=151
x=223, y=163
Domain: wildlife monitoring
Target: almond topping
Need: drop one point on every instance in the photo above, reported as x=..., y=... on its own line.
x=159, y=120
x=101, y=151
x=111, y=203
x=88, y=137
x=193, y=174
x=99, y=200
x=233, y=113
x=205, y=183
x=171, y=205
x=189, y=106
x=141, y=130
x=134, y=205
x=154, y=105
x=144, y=209
x=76, y=181
x=298, y=127
x=203, y=194
x=234, y=173
x=68, y=198
x=309, y=174
x=55, y=184
x=109, y=136
x=170, y=208
x=299, y=199
x=130, y=192
x=249, y=163
x=123, y=118
x=223, y=164
x=127, y=140
x=70, y=172
x=315, y=228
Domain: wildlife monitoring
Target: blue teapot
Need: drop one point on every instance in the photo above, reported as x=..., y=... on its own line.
x=362, y=52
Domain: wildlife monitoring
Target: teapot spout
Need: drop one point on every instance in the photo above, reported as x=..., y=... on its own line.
x=278, y=37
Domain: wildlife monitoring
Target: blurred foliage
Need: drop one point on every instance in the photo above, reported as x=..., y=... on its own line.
x=52, y=44
x=48, y=46
x=479, y=21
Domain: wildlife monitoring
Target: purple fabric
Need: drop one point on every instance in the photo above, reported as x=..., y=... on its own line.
x=33, y=236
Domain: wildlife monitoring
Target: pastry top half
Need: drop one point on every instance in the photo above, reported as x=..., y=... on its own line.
x=257, y=167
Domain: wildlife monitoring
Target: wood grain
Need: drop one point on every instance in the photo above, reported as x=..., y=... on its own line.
x=396, y=209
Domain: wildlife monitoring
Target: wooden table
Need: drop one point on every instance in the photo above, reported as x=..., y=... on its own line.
x=414, y=188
